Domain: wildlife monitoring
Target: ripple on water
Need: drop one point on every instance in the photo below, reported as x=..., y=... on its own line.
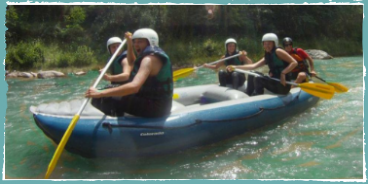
x=323, y=142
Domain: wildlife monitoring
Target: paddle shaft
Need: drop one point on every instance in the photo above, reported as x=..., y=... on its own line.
x=257, y=75
x=181, y=73
x=223, y=59
x=101, y=75
x=320, y=78
x=75, y=119
x=318, y=90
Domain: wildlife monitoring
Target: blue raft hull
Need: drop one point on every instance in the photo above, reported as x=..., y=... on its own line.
x=103, y=136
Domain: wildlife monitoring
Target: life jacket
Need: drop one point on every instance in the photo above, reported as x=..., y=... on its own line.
x=302, y=63
x=116, y=67
x=275, y=64
x=233, y=61
x=159, y=87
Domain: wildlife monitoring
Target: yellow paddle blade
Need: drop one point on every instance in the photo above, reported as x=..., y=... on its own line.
x=339, y=88
x=176, y=96
x=319, y=90
x=182, y=73
x=61, y=146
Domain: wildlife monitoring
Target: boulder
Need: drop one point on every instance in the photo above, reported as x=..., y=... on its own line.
x=80, y=73
x=25, y=75
x=16, y=74
x=12, y=75
x=49, y=74
x=34, y=74
x=318, y=54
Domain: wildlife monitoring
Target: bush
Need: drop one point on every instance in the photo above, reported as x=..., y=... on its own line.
x=64, y=60
x=25, y=55
x=84, y=56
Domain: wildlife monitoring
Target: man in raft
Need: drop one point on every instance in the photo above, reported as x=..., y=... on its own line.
x=150, y=90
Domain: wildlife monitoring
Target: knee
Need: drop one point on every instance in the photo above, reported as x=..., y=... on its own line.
x=302, y=75
x=222, y=72
x=235, y=74
x=258, y=79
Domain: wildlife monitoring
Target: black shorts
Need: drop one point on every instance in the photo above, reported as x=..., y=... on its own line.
x=134, y=105
x=256, y=85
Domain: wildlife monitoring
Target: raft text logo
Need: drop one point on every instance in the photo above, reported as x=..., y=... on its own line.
x=152, y=133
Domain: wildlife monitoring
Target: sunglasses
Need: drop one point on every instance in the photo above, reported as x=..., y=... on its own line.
x=286, y=45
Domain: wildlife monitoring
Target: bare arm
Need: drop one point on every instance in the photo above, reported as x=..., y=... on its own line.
x=244, y=58
x=123, y=76
x=215, y=66
x=283, y=55
x=129, y=88
x=130, y=53
x=258, y=64
x=311, y=64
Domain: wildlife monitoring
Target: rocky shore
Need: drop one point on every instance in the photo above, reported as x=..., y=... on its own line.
x=315, y=54
x=39, y=75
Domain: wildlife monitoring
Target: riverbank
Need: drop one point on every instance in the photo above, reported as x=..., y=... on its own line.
x=182, y=53
x=61, y=72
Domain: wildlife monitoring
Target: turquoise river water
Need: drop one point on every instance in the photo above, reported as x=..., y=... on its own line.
x=324, y=142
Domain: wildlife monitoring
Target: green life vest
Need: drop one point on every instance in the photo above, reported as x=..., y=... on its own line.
x=233, y=61
x=275, y=64
x=116, y=67
x=159, y=87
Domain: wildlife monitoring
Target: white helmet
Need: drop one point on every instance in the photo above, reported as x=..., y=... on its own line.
x=147, y=33
x=230, y=40
x=271, y=37
x=111, y=41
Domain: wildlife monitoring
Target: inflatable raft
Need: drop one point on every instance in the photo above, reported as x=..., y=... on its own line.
x=201, y=115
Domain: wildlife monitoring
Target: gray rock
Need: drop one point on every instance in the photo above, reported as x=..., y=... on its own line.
x=80, y=73
x=34, y=74
x=318, y=54
x=25, y=75
x=12, y=75
x=16, y=74
x=50, y=74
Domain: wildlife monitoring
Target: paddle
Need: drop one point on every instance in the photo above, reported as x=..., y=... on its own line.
x=181, y=73
x=339, y=88
x=315, y=89
x=75, y=119
x=176, y=96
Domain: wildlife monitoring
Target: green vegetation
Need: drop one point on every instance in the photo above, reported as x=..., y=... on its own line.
x=45, y=37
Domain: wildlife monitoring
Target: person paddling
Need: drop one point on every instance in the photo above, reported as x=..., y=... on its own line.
x=227, y=77
x=280, y=64
x=299, y=73
x=120, y=68
x=150, y=90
